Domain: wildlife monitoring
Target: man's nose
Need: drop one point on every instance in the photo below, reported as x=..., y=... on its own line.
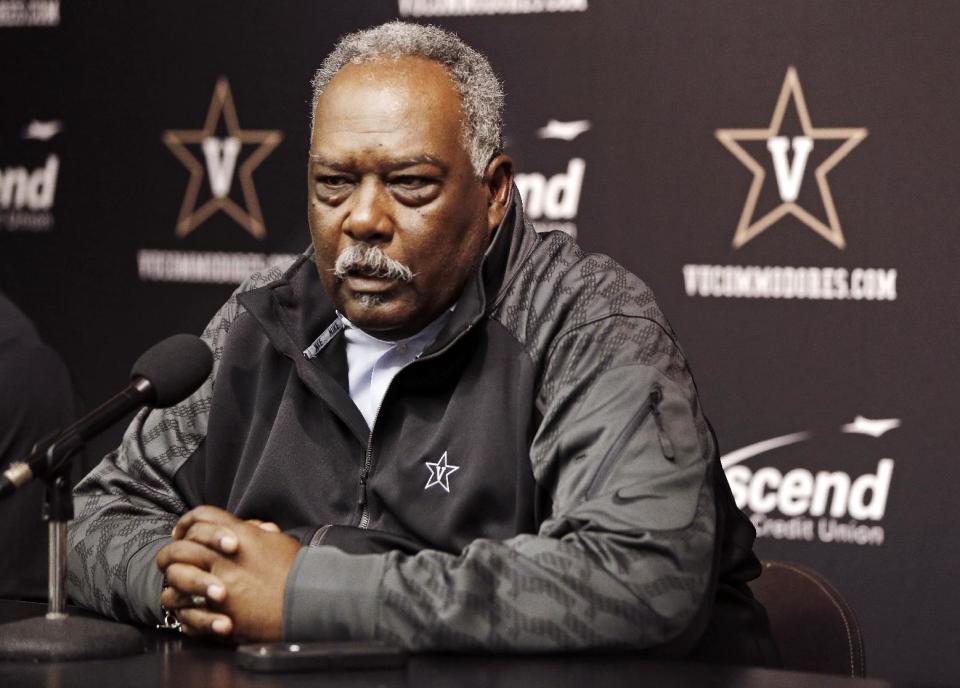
x=368, y=218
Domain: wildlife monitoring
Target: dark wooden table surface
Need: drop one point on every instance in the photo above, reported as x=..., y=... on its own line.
x=171, y=661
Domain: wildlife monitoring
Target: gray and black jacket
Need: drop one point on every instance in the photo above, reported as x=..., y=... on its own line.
x=588, y=508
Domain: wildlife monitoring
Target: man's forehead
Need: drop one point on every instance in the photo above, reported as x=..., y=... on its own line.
x=403, y=108
x=365, y=94
x=392, y=68
x=420, y=140
x=396, y=160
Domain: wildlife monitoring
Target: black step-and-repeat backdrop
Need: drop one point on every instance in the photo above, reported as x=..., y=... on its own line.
x=784, y=174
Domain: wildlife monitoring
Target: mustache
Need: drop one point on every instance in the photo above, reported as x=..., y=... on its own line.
x=370, y=261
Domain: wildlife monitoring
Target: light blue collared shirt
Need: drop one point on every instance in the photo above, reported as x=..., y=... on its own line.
x=373, y=363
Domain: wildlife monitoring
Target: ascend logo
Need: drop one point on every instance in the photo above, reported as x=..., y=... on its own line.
x=829, y=506
x=28, y=189
x=551, y=200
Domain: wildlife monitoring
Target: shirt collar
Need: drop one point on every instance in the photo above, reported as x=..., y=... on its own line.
x=417, y=342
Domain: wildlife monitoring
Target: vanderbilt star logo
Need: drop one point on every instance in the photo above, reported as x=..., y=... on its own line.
x=220, y=156
x=440, y=472
x=789, y=176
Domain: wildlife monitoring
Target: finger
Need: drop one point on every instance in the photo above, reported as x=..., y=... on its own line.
x=172, y=598
x=186, y=552
x=202, y=513
x=269, y=526
x=189, y=580
x=213, y=536
x=204, y=622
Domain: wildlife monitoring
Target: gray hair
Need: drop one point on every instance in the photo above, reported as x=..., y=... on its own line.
x=480, y=91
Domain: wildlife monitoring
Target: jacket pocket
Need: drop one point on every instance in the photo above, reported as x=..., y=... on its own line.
x=651, y=408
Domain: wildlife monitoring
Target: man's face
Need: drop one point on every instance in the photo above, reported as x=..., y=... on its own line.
x=388, y=168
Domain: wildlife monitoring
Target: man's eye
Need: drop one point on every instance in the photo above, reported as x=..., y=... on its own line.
x=333, y=181
x=411, y=182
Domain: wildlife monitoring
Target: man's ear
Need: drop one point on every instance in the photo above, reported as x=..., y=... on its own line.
x=497, y=181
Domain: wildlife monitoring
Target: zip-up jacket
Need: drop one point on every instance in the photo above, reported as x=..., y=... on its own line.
x=541, y=478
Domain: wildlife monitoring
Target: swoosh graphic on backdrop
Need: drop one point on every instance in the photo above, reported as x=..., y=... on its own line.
x=751, y=450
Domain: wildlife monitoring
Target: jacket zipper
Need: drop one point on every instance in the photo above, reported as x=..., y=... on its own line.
x=365, y=471
x=368, y=457
x=666, y=446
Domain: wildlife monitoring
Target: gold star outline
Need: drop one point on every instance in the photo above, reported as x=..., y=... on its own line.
x=851, y=137
x=250, y=218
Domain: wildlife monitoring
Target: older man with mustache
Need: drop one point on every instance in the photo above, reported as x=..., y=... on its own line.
x=437, y=428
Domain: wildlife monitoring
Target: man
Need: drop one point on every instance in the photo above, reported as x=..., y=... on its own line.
x=36, y=399
x=470, y=436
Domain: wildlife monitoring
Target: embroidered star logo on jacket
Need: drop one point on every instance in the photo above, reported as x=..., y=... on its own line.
x=440, y=472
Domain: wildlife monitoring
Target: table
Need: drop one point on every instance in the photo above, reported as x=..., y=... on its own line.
x=173, y=661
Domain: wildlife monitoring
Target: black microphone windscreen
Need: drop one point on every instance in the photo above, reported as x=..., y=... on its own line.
x=175, y=368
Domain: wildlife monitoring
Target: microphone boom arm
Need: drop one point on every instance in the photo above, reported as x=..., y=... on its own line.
x=51, y=455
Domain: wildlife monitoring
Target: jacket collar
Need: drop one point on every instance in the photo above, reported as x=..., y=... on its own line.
x=512, y=242
x=294, y=310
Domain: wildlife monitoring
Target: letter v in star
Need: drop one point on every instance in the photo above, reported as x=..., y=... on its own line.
x=440, y=472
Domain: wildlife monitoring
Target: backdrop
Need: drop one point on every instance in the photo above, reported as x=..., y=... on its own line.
x=783, y=174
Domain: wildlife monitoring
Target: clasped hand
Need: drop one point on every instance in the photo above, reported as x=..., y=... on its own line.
x=226, y=576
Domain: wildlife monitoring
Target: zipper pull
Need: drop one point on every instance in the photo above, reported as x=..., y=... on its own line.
x=362, y=496
x=666, y=446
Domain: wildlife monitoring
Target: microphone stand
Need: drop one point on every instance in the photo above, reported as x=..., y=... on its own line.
x=57, y=636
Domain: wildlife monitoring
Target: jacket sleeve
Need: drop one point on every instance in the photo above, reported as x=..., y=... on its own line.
x=625, y=558
x=127, y=505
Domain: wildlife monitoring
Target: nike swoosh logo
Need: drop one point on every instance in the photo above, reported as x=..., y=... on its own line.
x=620, y=498
x=566, y=131
x=42, y=131
x=873, y=427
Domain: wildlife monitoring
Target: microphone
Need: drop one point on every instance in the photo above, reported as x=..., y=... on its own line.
x=164, y=375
